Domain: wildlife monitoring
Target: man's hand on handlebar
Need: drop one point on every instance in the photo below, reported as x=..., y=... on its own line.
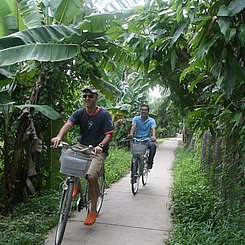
x=153, y=139
x=55, y=141
x=129, y=136
x=98, y=150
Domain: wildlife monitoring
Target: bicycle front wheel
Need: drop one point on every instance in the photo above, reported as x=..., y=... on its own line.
x=64, y=210
x=135, y=175
x=145, y=173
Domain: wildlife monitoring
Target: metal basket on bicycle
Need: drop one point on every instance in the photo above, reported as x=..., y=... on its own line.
x=138, y=148
x=74, y=162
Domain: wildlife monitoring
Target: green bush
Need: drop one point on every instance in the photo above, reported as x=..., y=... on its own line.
x=197, y=210
x=30, y=221
x=192, y=196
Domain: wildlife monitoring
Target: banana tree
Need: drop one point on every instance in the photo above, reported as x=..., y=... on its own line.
x=31, y=39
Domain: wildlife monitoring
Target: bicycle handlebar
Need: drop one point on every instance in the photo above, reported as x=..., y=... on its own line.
x=141, y=140
x=135, y=139
x=63, y=144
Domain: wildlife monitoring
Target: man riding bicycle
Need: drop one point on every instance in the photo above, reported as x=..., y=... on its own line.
x=144, y=127
x=96, y=129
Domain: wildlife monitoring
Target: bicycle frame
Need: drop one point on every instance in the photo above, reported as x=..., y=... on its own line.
x=82, y=197
x=139, y=168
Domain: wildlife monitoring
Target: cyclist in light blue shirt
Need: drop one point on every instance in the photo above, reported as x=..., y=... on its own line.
x=144, y=127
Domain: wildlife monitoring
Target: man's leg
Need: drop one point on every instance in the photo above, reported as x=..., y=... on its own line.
x=93, y=173
x=152, y=147
x=94, y=192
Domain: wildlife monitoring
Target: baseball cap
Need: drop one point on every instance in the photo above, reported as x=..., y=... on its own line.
x=91, y=90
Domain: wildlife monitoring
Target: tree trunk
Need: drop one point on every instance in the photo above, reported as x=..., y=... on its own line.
x=16, y=171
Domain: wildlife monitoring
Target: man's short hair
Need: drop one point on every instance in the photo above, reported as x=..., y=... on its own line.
x=145, y=105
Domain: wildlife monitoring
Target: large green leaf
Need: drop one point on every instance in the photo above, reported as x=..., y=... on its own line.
x=44, y=109
x=223, y=11
x=178, y=32
x=40, y=52
x=7, y=74
x=232, y=9
x=42, y=34
x=14, y=22
x=5, y=18
x=106, y=88
x=5, y=97
x=67, y=10
x=241, y=35
x=236, y=7
x=31, y=13
x=224, y=24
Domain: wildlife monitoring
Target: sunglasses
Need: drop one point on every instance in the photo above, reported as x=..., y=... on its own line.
x=90, y=96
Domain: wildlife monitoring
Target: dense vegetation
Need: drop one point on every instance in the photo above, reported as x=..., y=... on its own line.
x=193, y=50
x=198, y=211
x=29, y=222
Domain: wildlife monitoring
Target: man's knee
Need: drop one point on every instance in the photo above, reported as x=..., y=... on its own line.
x=91, y=179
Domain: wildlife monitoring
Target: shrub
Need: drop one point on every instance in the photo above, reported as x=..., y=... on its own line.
x=197, y=210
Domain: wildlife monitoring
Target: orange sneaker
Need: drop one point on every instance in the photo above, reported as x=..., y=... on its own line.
x=75, y=191
x=90, y=219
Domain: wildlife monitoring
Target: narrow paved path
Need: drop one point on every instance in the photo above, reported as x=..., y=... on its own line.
x=143, y=219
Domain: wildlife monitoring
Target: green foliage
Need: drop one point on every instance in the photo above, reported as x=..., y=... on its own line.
x=197, y=209
x=117, y=164
x=192, y=195
x=29, y=222
x=227, y=230
x=44, y=109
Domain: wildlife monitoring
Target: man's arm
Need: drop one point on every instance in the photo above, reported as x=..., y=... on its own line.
x=107, y=139
x=99, y=148
x=132, y=130
x=56, y=140
x=153, y=134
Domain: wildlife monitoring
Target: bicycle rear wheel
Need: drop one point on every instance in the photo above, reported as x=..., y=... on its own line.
x=101, y=182
x=135, y=175
x=64, y=210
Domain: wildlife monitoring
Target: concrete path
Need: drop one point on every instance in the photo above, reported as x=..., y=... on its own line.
x=143, y=219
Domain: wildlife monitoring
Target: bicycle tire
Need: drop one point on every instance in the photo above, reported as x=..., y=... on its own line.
x=87, y=196
x=135, y=175
x=64, y=211
x=101, y=182
x=145, y=173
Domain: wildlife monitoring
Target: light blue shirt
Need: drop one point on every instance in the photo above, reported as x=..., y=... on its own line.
x=143, y=128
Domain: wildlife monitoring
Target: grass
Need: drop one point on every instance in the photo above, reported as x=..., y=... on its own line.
x=199, y=218
x=29, y=223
